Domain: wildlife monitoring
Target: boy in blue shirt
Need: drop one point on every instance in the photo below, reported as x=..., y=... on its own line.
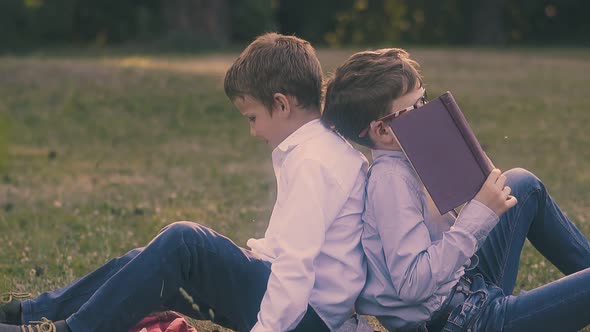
x=306, y=272
x=432, y=271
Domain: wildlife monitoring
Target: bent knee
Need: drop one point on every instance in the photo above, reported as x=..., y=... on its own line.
x=520, y=178
x=181, y=229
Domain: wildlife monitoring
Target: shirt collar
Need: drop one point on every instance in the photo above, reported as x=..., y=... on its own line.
x=299, y=136
x=381, y=153
x=302, y=134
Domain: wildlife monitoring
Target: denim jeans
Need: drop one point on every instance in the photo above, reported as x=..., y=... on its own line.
x=226, y=284
x=562, y=305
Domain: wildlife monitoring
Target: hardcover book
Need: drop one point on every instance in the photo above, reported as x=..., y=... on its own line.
x=444, y=151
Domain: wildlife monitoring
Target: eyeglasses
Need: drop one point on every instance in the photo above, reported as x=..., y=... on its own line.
x=423, y=100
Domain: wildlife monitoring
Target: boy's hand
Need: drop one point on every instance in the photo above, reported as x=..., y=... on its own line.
x=495, y=195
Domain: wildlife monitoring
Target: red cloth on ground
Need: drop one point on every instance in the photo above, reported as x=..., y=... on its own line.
x=166, y=321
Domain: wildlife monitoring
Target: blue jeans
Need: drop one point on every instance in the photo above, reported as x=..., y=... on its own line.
x=226, y=283
x=562, y=305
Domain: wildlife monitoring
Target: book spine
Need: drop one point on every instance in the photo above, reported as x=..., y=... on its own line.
x=459, y=119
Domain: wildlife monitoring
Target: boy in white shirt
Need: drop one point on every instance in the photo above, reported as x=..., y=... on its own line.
x=306, y=272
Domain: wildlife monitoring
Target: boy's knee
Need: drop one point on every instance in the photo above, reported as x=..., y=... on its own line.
x=181, y=230
x=518, y=178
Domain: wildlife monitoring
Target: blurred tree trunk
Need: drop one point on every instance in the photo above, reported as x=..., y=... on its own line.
x=200, y=20
x=488, y=22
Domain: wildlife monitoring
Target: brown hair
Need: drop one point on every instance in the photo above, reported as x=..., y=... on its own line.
x=363, y=88
x=276, y=63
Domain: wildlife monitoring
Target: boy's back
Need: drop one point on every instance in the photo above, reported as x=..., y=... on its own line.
x=316, y=224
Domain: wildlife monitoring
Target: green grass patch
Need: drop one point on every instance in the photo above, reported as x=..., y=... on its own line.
x=99, y=153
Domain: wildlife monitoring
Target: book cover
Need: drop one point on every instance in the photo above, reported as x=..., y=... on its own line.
x=444, y=151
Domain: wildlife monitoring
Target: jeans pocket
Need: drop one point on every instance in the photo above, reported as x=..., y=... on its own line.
x=465, y=315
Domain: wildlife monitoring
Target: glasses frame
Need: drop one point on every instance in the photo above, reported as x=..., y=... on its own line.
x=423, y=100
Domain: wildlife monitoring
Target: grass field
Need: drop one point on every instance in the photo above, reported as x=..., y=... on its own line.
x=98, y=153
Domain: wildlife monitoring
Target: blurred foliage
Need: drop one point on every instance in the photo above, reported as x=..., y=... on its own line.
x=43, y=22
x=440, y=22
x=206, y=23
x=251, y=18
x=71, y=21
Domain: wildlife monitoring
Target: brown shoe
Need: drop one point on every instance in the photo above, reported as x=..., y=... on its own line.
x=11, y=296
x=44, y=325
x=10, y=308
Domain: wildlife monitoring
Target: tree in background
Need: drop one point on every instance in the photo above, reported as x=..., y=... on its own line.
x=167, y=23
x=483, y=22
x=488, y=23
x=202, y=21
x=195, y=24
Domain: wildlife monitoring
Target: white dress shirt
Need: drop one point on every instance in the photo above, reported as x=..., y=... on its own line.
x=313, y=237
x=414, y=255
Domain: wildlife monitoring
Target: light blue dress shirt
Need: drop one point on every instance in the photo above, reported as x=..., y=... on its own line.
x=414, y=255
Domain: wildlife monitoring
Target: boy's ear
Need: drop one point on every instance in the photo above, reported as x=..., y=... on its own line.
x=281, y=104
x=380, y=132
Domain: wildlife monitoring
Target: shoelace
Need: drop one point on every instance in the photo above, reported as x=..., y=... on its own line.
x=8, y=297
x=44, y=325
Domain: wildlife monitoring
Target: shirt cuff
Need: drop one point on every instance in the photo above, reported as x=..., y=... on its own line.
x=259, y=328
x=477, y=219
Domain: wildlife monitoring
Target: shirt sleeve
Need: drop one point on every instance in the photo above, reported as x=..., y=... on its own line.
x=304, y=212
x=418, y=266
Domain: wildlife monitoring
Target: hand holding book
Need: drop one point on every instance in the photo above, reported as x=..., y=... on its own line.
x=495, y=195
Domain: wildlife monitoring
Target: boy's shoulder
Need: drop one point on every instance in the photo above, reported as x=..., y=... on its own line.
x=331, y=152
x=395, y=165
x=329, y=148
x=316, y=142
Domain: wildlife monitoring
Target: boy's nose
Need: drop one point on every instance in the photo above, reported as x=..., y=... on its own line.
x=252, y=132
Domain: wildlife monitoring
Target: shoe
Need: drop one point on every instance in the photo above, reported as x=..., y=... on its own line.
x=10, y=306
x=44, y=325
x=6, y=298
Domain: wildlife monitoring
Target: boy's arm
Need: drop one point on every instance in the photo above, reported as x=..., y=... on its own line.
x=303, y=216
x=417, y=266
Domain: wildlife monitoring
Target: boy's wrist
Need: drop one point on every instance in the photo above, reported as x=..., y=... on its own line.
x=477, y=219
